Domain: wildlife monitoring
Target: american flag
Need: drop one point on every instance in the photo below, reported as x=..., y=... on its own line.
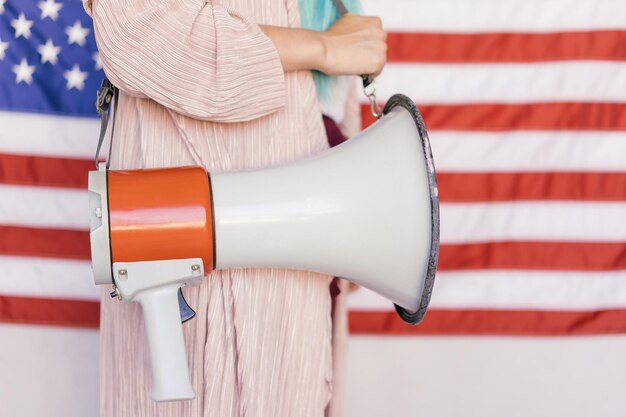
x=525, y=102
x=49, y=72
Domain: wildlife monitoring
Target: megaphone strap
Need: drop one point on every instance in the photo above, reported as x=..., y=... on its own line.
x=108, y=93
x=341, y=8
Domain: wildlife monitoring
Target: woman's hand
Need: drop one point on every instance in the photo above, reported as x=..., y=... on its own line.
x=354, y=45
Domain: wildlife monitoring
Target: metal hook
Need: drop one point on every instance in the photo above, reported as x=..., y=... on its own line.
x=371, y=95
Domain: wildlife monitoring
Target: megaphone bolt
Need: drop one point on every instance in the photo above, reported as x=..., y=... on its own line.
x=122, y=274
x=195, y=269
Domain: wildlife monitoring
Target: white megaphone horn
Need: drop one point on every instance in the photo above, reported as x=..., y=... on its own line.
x=366, y=210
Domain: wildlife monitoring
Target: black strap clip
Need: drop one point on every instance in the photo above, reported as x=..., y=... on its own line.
x=104, y=96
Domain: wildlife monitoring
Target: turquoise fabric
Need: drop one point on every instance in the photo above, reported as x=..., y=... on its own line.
x=320, y=15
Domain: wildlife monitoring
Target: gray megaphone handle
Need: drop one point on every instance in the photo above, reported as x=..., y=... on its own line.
x=166, y=343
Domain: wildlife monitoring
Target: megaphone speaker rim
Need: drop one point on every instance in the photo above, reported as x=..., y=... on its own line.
x=405, y=102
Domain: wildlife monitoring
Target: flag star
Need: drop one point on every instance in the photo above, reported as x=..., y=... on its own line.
x=97, y=60
x=3, y=48
x=76, y=34
x=22, y=26
x=2, y=6
x=49, y=52
x=75, y=78
x=49, y=9
x=23, y=72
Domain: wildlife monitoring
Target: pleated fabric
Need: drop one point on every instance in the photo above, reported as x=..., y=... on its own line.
x=202, y=85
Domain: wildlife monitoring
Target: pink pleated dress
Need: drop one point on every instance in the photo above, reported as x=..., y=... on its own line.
x=201, y=84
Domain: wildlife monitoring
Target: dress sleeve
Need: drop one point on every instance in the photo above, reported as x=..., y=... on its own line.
x=197, y=57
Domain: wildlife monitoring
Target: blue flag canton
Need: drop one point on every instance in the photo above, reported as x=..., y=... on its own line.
x=49, y=62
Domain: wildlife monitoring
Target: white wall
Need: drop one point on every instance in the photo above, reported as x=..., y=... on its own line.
x=48, y=372
x=387, y=376
x=486, y=377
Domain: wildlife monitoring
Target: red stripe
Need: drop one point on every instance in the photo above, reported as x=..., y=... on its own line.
x=562, y=256
x=510, y=186
x=46, y=243
x=52, y=312
x=532, y=116
x=506, y=47
x=492, y=322
x=44, y=171
x=454, y=187
x=78, y=313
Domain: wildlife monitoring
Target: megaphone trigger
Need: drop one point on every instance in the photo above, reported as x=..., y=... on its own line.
x=186, y=312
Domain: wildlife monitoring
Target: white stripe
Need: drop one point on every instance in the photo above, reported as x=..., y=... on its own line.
x=505, y=83
x=61, y=208
x=533, y=221
x=41, y=277
x=529, y=151
x=497, y=15
x=45, y=135
x=467, y=222
x=498, y=289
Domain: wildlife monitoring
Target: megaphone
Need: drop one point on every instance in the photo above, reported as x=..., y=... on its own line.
x=366, y=210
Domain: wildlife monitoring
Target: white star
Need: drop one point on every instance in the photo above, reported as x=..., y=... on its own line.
x=49, y=52
x=22, y=26
x=75, y=78
x=23, y=72
x=2, y=6
x=49, y=9
x=76, y=34
x=3, y=48
x=97, y=60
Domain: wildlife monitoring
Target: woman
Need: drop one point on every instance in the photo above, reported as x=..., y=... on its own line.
x=226, y=85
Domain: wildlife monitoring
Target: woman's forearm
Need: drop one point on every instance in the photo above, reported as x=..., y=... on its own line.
x=299, y=49
x=353, y=45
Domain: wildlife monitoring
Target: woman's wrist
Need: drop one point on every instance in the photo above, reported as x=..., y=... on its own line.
x=318, y=50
